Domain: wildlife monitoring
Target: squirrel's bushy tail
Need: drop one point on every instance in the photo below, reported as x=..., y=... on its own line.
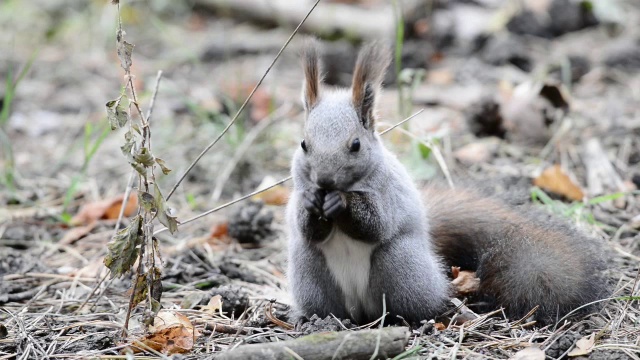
x=523, y=257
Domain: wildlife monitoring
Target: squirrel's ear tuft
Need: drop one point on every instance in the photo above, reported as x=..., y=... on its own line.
x=372, y=63
x=311, y=67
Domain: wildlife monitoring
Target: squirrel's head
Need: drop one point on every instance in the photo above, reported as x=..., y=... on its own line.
x=340, y=145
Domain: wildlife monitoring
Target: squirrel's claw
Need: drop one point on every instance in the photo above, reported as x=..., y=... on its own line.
x=334, y=204
x=312, y=202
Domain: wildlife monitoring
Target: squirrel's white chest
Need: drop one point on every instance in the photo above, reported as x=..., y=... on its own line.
x=349, y=262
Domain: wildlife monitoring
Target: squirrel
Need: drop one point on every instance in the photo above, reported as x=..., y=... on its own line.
x=360, y=230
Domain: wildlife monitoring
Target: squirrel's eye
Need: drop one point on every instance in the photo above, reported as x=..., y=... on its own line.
x=355, y=145
x=304, y=146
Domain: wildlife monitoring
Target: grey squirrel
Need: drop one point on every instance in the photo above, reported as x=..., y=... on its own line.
x=359, y=228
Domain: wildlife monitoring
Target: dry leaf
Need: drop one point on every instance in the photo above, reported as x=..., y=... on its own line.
x=214, y=305
x=439, y=326
x=123, y=248
x=277, y=195
x=584, y=346
x=465, y=282
x=529, y=353
x=125, y=50
x=105, y=209
x=117, y=114
x=555, y=180
x=171, y=333
x=464, y=313
x=219, y=230
x=166, y=319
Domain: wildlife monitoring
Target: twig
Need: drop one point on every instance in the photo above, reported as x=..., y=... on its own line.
x=402, y=122
x=564, y=127
x=268, y=313
x=436, y=153
x=235, y=117
x=15, y=297
x=242, y=149
x=93, y=291
x=351, y=345
x=155, y=94
x=224, y=328
x=139, y=271
x=525, y=317
x=440, y=159
x=125, y=200
x=582, y=307
x=224, y=205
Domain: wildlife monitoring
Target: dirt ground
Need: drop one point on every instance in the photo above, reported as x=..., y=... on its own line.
x=509, y=89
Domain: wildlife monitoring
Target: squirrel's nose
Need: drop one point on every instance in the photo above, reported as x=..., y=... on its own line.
x=326, y=182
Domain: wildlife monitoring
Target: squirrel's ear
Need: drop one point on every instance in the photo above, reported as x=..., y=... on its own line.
x=311, y=67
x=372, y=63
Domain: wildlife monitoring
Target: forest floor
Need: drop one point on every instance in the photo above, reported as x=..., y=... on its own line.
x=510, y=100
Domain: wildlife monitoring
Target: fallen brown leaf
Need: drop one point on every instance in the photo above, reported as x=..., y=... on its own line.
x=105, y=209
x=219, y=230
x=171, y=333
x=277, y=195
x=214, y=305
x=555, y=180
x=439, y=326
x=584, y=346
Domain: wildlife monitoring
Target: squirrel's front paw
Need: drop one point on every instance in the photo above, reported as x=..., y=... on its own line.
x=334, y=204
x=313, y=201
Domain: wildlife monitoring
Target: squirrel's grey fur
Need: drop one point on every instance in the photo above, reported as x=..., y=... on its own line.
x=359, y=231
